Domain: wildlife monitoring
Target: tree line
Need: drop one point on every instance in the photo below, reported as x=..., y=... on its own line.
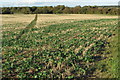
x=61, y=9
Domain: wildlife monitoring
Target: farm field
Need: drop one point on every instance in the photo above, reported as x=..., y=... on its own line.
x=61, y=45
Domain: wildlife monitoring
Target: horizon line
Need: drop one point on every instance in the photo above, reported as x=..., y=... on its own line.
x=64, y=5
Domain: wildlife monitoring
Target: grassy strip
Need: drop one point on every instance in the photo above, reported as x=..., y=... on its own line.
x=118, y=47
x=114, y=60
x=109, y=67
x=31, y=25
x=114, y=63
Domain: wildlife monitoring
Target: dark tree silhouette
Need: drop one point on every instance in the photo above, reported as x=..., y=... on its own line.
x=61, y=9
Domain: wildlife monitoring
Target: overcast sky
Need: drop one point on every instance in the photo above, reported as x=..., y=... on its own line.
x=71, y=3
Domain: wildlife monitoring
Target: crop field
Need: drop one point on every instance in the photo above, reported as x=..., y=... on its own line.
x=66, y=46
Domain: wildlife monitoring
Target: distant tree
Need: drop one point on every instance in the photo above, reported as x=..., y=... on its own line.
x=38, y=10
x=88, y=10
x=77, y=10
x=32, y=9
x=100, y=11
x=6, y=11
x=104, y=10
x=67, y=10
x=58, y=9
x=50, y=10
x=113, y=11
x=25, y=10
x=13, y=9
x=84, y=10
x=45, y=10
x=94, y=7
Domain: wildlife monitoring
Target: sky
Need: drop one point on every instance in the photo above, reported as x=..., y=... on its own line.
x=70, y=3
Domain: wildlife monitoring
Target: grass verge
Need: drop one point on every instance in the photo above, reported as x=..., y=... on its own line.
x=109, y=67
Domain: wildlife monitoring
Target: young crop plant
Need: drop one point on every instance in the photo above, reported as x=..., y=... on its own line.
x=66, y=50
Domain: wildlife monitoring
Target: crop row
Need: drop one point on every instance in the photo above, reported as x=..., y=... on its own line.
x=56, y=50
